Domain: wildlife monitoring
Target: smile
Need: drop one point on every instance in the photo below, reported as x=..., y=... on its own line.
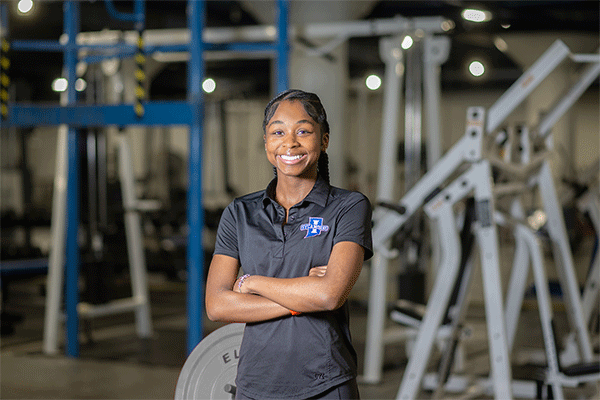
x=291, y=159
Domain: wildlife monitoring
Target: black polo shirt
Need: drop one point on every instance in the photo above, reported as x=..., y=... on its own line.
x=296, y=356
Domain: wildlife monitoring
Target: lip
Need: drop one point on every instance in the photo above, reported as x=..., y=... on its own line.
x=291, y=159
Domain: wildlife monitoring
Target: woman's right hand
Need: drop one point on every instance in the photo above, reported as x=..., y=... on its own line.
x=318, y=271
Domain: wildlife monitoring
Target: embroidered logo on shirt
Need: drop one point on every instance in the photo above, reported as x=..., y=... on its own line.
x=314, y=227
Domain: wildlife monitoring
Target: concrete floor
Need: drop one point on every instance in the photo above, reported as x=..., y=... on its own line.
x=115, y=364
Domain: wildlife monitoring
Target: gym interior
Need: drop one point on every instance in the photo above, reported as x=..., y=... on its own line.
x=472, y=127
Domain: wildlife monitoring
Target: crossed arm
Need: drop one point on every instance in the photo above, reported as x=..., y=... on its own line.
x=262, y=298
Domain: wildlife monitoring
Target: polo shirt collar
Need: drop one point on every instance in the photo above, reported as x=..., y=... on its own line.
x=319, y=194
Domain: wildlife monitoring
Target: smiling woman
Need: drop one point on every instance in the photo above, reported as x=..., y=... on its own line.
x=294, y=141
x=301, y=244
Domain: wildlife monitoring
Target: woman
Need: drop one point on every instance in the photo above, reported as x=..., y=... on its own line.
x=301, y=244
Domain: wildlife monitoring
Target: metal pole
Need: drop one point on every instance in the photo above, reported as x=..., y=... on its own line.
x=71, y=28
x=391, y=54
x=195, y=217
x=283, y=48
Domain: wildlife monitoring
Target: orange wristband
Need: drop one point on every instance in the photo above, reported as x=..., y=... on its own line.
x=295, y=312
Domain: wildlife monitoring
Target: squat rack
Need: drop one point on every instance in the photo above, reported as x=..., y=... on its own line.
x=152, y=113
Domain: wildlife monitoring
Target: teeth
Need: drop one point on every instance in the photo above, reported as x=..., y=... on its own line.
x=291, y=158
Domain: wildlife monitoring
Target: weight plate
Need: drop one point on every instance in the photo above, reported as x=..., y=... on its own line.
x=209, y=371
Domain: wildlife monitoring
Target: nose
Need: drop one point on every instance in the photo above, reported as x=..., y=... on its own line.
x=291, y=140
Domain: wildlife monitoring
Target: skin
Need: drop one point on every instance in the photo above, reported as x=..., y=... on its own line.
x=293, y=143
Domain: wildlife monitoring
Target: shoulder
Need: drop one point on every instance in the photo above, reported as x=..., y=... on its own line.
x=348, y=197
x=242, y=206
x=248, y=200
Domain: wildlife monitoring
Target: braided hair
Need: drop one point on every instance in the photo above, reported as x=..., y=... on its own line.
x=314, y=108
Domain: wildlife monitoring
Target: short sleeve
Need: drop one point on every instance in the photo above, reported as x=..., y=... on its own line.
x=354, y=225
x=227, y=237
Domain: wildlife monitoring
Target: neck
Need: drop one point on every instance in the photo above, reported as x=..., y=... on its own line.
x=292, y=190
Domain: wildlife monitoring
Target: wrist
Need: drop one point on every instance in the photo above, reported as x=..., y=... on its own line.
x=241, y=281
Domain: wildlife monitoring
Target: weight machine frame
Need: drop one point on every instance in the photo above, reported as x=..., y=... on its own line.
x=387, y=222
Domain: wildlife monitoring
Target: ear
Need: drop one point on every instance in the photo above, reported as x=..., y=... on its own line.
x=265, y=141
x=324, y=141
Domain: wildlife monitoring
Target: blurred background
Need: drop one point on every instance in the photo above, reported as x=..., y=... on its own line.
x=107, y=309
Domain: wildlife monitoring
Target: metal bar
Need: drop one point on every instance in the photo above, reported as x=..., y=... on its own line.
x=112, y=11
x=283, y=47
x=487, y=240
x=519, y=90
x=71, y=22
x=123, y=50
x=437, y=49
x=118, y=306
x=443, y=216
x=135, y=246
x=413, y=116
x=391, y=54
x=195, y=276
x=77, y=115
x=56, y=260
x=379, y=27
x=583, y=58
x=518, y=278
x=544, y=306
x=37, y=45
x=17, y=267
x=564, y=261
x=565, y=103
x=3, y=19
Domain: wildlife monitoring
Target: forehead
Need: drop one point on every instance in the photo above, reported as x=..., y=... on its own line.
x=291, y=111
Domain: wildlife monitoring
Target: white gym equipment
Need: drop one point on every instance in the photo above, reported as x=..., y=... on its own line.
x=469, y=151
x=139, y=303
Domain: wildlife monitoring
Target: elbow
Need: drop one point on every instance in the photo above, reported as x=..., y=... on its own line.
x=212, y=314
x=331, y=302
x=213, y=311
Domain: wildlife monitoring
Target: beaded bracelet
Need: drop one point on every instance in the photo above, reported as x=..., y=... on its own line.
x=242, y=279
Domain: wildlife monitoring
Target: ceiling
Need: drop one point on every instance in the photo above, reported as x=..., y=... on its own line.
x=32, y=72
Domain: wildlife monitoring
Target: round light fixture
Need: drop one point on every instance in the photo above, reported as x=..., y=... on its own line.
x=476, y=68
x=473, y=15
x=209, y=85
x=373, y=82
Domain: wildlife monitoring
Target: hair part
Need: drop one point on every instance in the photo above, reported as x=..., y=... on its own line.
x=314, y=108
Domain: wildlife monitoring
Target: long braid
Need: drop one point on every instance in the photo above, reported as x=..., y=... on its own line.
x=323, y=166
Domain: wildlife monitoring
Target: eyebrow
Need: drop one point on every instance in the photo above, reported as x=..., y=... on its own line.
x=302, y=121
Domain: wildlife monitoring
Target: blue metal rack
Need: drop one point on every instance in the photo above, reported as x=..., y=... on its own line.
x=190, y=112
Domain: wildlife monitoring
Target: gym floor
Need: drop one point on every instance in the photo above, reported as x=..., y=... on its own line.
x=115, y=364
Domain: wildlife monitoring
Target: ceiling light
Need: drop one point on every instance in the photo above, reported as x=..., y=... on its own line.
x=373, y=82
x=476, y=68
x=209, y=85
x=473, y=15
x=60, y=85
x=500, y=44
x=407, y=42
x=448, y=25
x=80, y=85
x=25, y=6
